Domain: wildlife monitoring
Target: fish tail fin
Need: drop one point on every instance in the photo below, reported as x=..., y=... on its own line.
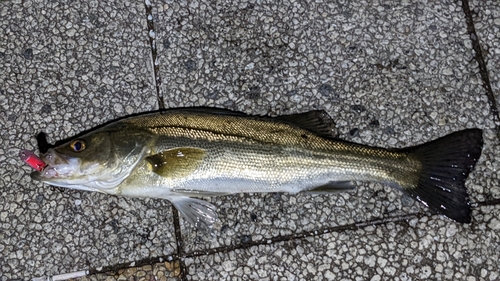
x=445, y=165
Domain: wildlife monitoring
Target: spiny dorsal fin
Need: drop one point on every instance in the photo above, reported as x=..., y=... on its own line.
x=176, y=162
x=316, y=121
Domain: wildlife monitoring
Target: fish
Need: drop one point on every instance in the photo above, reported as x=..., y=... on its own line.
x=184, y=154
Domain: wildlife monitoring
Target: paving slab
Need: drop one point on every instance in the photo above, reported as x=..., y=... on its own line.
x=390, y=75
x=66, y=67
x=418, y=249
x=426, y=248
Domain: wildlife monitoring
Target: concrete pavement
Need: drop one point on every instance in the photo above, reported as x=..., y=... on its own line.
x=390, y=74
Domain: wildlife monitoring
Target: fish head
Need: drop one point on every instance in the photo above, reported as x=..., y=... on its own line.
x=98, y=161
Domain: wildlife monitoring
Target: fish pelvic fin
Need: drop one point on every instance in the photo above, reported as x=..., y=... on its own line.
x=199, y=213
x=445, y=165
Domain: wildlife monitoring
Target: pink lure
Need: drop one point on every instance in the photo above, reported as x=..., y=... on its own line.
x=31, y=159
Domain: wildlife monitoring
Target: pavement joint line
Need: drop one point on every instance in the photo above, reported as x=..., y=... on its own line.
x=179, y=243
x=491, y=202
x=483, y=69
x=161, y=104
x=304, y=234
x=154, y=54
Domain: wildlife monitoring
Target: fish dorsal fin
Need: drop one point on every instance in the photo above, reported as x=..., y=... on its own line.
x=333, y=187
x=176, y=162
x=316, y=121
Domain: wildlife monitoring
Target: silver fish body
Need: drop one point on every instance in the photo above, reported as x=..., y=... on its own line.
x=185, y=153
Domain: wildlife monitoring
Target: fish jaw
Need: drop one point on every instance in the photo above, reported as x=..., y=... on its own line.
x=64, y=171
x=57, y=166
x=62, y=183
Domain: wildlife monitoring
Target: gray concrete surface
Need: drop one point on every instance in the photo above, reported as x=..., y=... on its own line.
x=487, y=23
x=390, y=74
x=65, y=68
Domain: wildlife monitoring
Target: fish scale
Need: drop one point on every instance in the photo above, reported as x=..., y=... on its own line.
x=260, y=156
x=180, y=154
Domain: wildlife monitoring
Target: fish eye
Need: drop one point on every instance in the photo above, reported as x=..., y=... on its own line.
x=77, y=145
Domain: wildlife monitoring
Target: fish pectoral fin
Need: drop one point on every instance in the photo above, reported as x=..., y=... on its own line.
x=199, y=213
x=176, y=162
x=333, y=187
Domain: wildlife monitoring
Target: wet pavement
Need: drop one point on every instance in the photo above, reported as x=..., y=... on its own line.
x=390, y=74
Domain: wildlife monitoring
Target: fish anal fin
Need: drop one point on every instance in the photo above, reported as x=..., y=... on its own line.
x=316, y=121
x=333, y=187
x=176, y=162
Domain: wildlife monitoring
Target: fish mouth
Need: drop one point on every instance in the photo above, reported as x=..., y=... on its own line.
x=57, y=167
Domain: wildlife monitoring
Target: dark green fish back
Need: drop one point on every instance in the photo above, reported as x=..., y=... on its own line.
x=227, y=127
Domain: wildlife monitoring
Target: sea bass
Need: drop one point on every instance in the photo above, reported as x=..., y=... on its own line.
x=179, y=154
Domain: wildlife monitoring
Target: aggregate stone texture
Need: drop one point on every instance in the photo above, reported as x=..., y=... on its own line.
x=418, y=249
x=66, y=67
x=486, y=15
x=415, y=249
x=390, y=74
